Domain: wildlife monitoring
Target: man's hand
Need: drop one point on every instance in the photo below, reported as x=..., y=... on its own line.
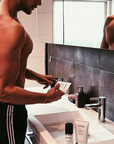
x=46, y=80
x=54, y=94
x=42, y=79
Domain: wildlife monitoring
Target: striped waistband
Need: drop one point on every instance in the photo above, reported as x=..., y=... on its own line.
x=16, y=106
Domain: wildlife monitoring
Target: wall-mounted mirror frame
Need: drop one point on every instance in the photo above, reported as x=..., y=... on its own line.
x=56, y=21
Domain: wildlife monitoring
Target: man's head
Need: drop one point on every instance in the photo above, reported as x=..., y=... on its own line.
x=28, y=5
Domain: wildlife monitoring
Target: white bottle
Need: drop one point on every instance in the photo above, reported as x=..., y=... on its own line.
x=69, y=133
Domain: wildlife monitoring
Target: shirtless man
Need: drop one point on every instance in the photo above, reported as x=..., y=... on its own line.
x=15, y=46
x=108, y=34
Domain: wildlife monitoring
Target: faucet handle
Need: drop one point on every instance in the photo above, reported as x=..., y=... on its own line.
x=101, y=99
x=94, y=98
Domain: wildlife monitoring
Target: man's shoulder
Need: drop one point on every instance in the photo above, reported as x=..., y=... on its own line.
x=12, y=32
x=109, y=20
x=16, y=28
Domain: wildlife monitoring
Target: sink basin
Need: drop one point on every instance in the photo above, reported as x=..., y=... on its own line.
x=50, y=128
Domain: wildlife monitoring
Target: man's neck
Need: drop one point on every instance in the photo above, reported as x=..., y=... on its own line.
x=9, y=7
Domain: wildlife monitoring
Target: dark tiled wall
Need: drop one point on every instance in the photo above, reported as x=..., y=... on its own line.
x=92, y=68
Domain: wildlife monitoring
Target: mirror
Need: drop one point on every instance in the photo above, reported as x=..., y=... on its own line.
x=73, y=22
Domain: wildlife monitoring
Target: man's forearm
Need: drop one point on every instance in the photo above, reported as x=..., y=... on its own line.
x=29, y=74
x=17, y=95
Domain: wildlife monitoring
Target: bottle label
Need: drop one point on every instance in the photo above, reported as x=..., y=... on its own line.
x=69, y=139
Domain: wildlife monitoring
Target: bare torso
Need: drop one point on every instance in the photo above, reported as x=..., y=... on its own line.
x=108, y=38
x=14, y=51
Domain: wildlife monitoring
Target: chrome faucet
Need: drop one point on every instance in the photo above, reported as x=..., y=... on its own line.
x=101, y=105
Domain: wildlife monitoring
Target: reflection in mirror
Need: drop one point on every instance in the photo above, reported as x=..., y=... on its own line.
x=78, y=22
x=83, y=23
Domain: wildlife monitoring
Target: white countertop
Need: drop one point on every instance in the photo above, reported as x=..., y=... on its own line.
x=64, y=105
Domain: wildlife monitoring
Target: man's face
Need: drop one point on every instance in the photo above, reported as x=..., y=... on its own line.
x=29, y=5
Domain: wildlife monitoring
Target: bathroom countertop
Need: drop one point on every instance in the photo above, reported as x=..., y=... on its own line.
x=64, y=105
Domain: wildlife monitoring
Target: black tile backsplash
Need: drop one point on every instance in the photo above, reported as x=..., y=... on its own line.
x=90, y=67
x=107, y=60
x=79, y=55
x=92, y=57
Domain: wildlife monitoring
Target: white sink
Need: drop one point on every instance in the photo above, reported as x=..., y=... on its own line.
x=50, y=128
x=48, y=121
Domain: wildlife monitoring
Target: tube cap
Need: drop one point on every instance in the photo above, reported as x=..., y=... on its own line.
x=68, y=128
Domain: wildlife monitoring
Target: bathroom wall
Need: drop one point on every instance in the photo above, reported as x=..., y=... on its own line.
x=92, y=68
x=45, y=20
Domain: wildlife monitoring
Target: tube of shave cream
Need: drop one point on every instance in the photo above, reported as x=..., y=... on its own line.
x=81, y=130
x=64, y=86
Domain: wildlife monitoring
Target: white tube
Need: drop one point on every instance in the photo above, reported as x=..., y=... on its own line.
x=81, y=130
